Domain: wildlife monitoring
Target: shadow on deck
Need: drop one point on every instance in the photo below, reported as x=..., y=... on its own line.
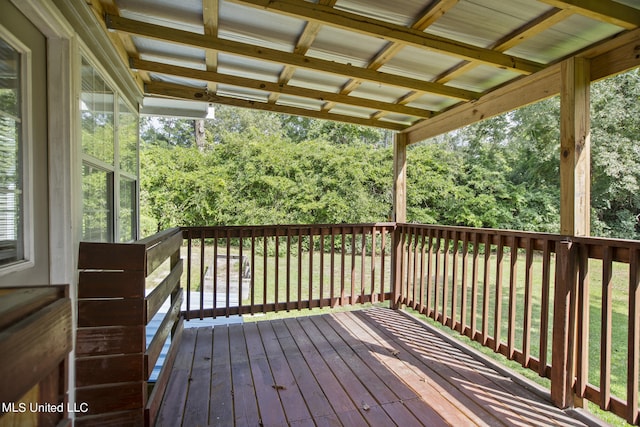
x=375, y=367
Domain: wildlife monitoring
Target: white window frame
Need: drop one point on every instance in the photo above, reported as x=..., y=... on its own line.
x=118, y=96
x=26, y=91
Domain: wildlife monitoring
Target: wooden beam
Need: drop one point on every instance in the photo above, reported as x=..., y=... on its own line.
x=200, y=94
x=613, y=56
x=210, y=20
x=393, y=33
x=400, y=178
x=305, y=40
x=187, y=38
x=608, y=11
x=209, y=76
x=575, y=148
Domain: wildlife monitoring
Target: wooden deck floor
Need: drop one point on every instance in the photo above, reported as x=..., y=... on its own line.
x=375, y=367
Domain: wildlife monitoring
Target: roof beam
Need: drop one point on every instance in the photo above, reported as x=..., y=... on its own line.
x=305, y=40
x=210, y=20
x=528, y=30
x=200, y=94
x=393, y=33
x=214, y=77
x=426, y=18
x=614, y=56
x=242, y=49
x=603, y=10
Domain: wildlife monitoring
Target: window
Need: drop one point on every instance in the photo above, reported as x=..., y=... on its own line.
x=97, y=199
x=109, y=161
x=12, y=182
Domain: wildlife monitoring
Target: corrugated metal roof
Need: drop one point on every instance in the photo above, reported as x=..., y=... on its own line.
x=389, y=64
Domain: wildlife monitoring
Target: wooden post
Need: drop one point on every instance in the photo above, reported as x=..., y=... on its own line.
x=399, y=212
x=400, y=178
x=575, y=205
x=562, y=366
x=575, y=148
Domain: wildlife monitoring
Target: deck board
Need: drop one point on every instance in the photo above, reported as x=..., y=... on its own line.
x=375, y=367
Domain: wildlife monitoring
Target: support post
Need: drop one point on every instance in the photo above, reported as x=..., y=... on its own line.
x=400, y=177
x=575, y=148
x=399, y=213
x=575, y=206
x=564, y=322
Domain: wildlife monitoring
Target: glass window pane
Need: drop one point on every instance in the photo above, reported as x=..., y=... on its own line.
x=128, y=139
x=128, y=216
x=97, y=204
x=11, y=181
x=96, y=110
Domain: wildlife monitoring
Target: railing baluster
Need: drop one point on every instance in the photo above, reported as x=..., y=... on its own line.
x=352, y=300
x=411, y=276
x=332, y=281
x=228, y=274
x=454, y=280
x=474, y=284
x=633, y=345
x=445, y=278
x=436, y=278
x=253, y=269
x=383, y=248
x=310, y=298
x=526, y=329
x=605, y=348
x=513, y=277
x=485, y=288
x=321, y=290
x=189, y=245
x=422, y=269
x=265, y=277
x=299, y=268
x=463, y=285
x=544, y=308
x=276, y=272
x=429, y=272
x=413, y=255
x=362, y=265
x=240, y=271
x=215, y=273
x=202, y=266
x=288, y=274
x=584, y=308
x=342, y=266
x=374, y=249
x=497, y=323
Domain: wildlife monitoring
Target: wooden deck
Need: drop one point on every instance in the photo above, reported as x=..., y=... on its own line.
x=375, y=367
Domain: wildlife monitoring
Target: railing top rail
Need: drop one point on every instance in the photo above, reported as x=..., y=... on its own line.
x=235, y=231
x=153, y=240
x=497, y=231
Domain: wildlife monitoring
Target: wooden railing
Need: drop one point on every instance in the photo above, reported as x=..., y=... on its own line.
x=113, y=359
x=259, y=269
x=527, y=296
x=35, y=341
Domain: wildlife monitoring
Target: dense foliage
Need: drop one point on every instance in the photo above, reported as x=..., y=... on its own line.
x=265, y=168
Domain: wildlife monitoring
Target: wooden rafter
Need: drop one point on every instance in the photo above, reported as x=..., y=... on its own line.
x=303, y=44
x=393, y=33
x=209, y=77
x=528, y=30
x=210, y=20
x=242, y=49
x=426, y=18
x=614, y=56
x=194, y=94
x=603, y=10
x=122, y=42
